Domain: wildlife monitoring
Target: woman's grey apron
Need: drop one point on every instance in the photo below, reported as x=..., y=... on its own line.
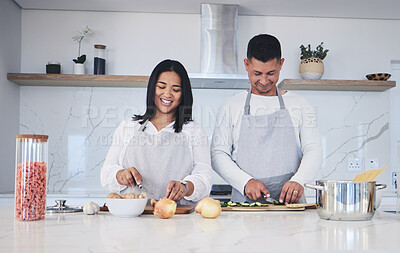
x=267, y=149
x=159, y=159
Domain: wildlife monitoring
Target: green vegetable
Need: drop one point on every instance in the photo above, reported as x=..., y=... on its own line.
x=278, y=203
x=243, y=204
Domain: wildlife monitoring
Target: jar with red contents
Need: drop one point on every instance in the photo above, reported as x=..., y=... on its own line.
x=30, y=177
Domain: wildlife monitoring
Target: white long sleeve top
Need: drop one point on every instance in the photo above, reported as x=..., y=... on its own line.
x=199, y=149
x=227, y=128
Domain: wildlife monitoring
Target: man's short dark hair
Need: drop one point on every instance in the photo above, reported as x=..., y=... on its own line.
x=264, y=47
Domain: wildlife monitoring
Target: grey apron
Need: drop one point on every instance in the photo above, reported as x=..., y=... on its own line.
x=267, y=149
x=159, y=159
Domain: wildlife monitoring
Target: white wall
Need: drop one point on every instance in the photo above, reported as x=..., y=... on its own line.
x=395, y=119
x=10, y=61
x=137, y=41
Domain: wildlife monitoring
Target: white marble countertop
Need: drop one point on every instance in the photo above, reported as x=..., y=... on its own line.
x=296, y=231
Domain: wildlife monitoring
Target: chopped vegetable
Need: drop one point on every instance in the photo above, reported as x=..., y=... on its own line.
x=243, y=204
x=278, y=203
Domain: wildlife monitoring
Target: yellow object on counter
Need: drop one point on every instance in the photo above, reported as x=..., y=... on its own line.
x=369, y=176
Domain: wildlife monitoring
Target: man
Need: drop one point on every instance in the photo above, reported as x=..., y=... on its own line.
x=266, y=142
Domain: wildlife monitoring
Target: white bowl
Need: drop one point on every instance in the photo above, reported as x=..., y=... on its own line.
x=126, y=208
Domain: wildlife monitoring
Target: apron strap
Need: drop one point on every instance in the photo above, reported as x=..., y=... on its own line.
x=247, y=103
x=143, y=126
x=281, y=103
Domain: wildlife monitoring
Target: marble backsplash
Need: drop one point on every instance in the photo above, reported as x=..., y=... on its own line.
x=80, y=123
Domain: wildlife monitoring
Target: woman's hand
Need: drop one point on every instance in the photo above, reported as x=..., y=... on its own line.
x=176, y=190
x=129, y=177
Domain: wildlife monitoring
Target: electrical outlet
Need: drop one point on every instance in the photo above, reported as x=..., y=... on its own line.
x=353, y=164
x=394, y=181
x=371, y=164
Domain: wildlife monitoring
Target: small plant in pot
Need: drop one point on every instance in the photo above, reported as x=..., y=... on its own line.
x=79, y=67
x=312, y=66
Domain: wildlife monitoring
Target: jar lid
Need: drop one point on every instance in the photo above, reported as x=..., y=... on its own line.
x=61, y=207
x=40, y=138
x=54, y=62
x=99, y=46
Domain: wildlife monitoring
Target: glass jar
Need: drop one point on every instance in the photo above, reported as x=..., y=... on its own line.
x=99, y=60
x=30, y=176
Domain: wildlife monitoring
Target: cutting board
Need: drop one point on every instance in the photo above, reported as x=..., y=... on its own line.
x=179, y=209
x=307, y=205
x=263, y=208
x=149, y=209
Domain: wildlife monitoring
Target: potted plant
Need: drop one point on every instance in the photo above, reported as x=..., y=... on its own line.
x=312, y=66
x=79, y=67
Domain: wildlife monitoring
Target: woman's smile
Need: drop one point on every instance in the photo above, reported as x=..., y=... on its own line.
x=168, y=94
x=166, y=102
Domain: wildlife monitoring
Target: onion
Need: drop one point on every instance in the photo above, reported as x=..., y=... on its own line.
x=200, y=204
x=209, y=208
x=165, y=208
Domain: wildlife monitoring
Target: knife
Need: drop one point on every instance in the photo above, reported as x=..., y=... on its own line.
x=270, y=200
x=141, y=187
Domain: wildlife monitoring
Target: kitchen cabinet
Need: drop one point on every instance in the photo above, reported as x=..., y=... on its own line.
x=198, y=82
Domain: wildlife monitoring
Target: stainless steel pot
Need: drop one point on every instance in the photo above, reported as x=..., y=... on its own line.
x=345, y=200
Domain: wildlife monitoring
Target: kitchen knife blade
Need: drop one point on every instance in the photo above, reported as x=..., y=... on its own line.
x=270, y=200
x=141, y=187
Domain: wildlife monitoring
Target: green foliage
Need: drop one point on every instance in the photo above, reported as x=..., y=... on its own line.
x=80, y=59
x=306, y=52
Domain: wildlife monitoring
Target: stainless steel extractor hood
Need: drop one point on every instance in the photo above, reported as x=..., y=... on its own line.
x=219, y=29
x=219, y=38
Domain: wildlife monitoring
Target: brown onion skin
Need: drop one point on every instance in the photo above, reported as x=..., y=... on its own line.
x=165, y=208
x=208, y=208
x=200, y=204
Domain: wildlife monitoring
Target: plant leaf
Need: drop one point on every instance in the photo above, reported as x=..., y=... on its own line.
x=80, y=59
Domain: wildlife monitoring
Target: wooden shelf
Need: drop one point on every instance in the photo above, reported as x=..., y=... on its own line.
x=336, y=85
x=78, y=80
x=26, y=79
x=197, y=81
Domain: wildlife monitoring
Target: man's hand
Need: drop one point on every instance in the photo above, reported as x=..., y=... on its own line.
x=255, y=190
x=291, y=192
x=129, y=176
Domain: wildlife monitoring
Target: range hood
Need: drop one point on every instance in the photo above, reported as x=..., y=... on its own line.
x=219, y=69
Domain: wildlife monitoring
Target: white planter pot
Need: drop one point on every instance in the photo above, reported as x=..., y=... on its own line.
x=79, y=68
x=311, y=68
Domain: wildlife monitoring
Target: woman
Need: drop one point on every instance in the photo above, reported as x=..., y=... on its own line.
x=163, y=149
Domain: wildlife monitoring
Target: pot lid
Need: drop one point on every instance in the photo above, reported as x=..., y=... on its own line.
x=61, y=207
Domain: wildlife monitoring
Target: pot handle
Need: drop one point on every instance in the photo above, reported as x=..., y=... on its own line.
x=380, y=186
x=315, y=187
